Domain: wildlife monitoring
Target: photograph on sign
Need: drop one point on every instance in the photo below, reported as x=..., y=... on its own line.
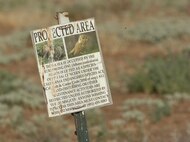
x=59, y=50
x=71, y=67
x=85, y=44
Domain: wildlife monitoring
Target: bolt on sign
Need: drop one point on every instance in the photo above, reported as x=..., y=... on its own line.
x=71, y=67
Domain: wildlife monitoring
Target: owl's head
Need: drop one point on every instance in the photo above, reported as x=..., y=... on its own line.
x=83, y=38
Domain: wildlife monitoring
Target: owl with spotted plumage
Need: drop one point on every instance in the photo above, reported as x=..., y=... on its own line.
x=79, y=46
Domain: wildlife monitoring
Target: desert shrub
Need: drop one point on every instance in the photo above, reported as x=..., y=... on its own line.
x=18, y=95
x=16, y=4
x=161, y=111
x=22, y=98
x=87, y=8
x=4, y=111
x=144, y=5
x=8, y=58
x=134, y=115
x=119, y=132
x=16, y=39
x=96, y=123
x=7, y=82
x=15, y=91
x=13, y=47
x=11, y=116
x=41, y=128
x=157, y=30
x=131, y=7
x=162, y=75
x=157, y=109
x=178, y=97
x=5, y=5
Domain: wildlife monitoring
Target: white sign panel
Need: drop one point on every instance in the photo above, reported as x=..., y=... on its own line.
x=71, y=67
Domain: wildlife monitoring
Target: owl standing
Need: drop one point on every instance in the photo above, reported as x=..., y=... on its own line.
x=80, y=45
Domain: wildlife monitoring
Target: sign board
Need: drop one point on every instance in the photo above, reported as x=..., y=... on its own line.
x=71, y=67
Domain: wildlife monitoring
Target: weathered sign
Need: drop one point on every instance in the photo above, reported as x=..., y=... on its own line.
x=71, y=67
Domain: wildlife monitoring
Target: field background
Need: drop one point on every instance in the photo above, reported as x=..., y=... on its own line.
x=146, y=47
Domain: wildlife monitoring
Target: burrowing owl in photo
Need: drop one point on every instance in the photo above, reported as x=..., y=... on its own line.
x=80, y=45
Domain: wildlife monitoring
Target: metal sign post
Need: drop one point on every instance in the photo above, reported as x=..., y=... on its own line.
x=79, y=117
x=71, y=69
x=81, y=126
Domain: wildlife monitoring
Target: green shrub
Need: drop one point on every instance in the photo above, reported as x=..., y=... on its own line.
x=157, y=30
x=7, y=82
x=13, y=47
x=96, y=123
x=145, y=5
x=162, y=75
x=15, y=91
x=8, y=58
x=5, y=5
x=45, y=129
x=17, y=39
x=156, y=108
x=134, y=115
